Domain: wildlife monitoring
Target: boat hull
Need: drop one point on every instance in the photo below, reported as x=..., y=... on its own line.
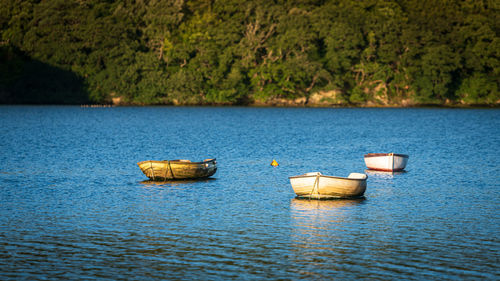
x=177, y=169
x=388, y=162
x=327, y=187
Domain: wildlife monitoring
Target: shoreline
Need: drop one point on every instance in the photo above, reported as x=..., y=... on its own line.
x=259, y=105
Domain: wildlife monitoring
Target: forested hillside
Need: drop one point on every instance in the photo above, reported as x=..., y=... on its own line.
x=344, y=52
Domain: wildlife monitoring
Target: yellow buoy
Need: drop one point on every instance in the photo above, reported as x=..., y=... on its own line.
x=274, y=163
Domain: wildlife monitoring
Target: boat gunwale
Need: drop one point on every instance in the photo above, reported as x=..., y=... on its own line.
x=178, y=162
x=386, y=170
x=333, y=177
x=385, y=154
x=329, y=197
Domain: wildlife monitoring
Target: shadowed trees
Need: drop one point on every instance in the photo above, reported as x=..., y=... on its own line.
x=238, y=52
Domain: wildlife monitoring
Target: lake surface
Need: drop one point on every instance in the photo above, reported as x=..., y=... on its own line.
x=74, y=204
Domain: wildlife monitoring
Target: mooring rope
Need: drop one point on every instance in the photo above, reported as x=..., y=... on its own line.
x=391, y=158
x=171, y=171
x=315, y=186
x=152, y=170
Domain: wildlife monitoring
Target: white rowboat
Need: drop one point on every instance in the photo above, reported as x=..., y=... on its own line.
x=317, y=186
x=389, y=162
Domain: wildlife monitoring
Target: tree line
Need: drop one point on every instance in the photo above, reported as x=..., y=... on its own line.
x=234, y=52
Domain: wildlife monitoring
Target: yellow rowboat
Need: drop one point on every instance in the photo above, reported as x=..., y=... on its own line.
x=178, y=169
x=317, y=186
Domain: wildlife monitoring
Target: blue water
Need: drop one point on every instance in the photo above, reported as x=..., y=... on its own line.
x=74, y=204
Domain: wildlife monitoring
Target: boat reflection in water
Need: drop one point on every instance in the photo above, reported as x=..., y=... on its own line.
x=311, y=217
x=322, y=232
x=175, y=182
x=383, y=174
x=313, y=213
x=299, y=204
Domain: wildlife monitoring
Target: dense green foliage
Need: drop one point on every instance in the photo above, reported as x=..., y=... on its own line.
x=385, y=52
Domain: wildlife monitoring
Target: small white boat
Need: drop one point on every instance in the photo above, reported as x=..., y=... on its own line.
x=389, y=162
x=317, y=186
